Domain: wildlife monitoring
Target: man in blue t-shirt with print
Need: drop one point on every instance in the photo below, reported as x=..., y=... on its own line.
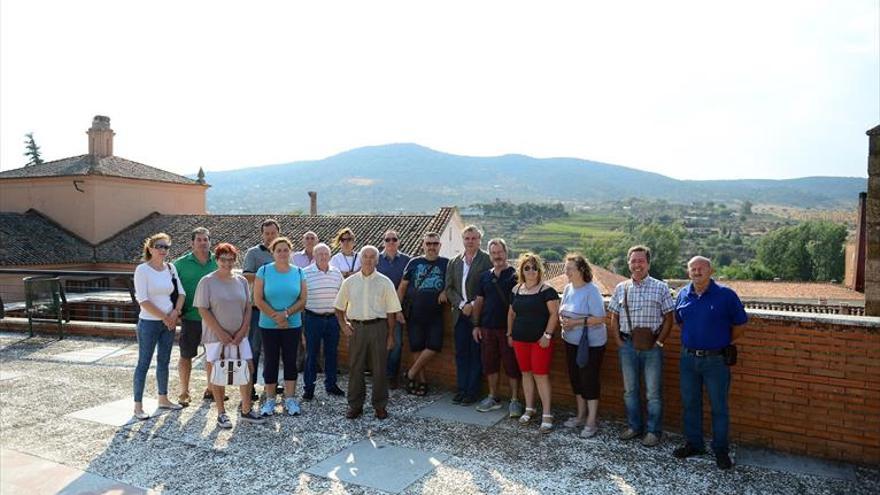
x=711, y=317
x=422, y=289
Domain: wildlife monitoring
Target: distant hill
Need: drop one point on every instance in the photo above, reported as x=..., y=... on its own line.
x=412, y=178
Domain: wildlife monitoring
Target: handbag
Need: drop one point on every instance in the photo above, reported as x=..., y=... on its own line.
x=230, y=371
x=643, y=338
x=729, y=354
x=582, y=358
x=175, y=294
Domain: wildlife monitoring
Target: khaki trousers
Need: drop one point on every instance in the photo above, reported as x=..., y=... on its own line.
x=367, y=345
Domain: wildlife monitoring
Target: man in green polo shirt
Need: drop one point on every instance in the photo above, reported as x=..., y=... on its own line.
x=191, y=267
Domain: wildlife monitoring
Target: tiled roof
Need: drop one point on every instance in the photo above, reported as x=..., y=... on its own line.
x=33, y=239
x=806, y=291
x=111, y=166
x=244, y=230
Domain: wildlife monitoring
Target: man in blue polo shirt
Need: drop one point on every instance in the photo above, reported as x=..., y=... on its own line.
x=711, y=317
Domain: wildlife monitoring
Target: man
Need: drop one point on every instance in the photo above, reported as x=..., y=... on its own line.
x=462, y=279
x=191, y=267
x=391, y=264
x=422, y=288
x=254, y=258
x=490, y=311
x=711, y=318
x=323, y=282
x=366, y=308
x=641, y=314
x=305, y=257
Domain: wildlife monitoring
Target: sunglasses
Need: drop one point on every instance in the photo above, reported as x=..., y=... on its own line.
x=166, y=247
x=432, y=243
x=391, y=239
x=529, y=268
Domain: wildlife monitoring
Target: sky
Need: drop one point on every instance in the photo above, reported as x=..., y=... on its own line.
x=689, y=89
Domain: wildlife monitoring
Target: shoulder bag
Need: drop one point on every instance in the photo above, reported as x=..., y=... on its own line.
x=642, y=337
x=175, y=294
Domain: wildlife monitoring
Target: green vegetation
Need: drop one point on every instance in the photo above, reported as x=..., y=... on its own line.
x=32, y=151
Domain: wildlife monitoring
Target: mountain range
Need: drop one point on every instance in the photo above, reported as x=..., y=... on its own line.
x=411, y=178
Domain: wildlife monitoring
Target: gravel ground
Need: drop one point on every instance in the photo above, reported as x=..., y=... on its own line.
x=177, y=452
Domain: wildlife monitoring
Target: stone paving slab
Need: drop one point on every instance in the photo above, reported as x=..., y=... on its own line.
x=9, y=375
x=794, y=463
x=444, y=409
x=24, y=473
x=116, y=413
x=90, y=355
x=376, y=464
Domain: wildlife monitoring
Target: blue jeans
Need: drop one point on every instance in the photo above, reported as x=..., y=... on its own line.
x=255, y=338
x=712, y=372
x=633, y=363
x=468, y=367
x=320, y=329
x=152, y=333
x=393, y=367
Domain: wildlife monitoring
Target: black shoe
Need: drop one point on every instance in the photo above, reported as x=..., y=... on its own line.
x=467, y=400
x=368, y=373
x=279, y=390
x=334, y=390
x=687, y=450
x=456, y=399
x=308, y=394
x=254, y=396
x=722, y=460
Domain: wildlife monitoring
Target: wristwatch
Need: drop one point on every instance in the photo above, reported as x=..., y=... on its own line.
x=659, y=344
x=548, y=335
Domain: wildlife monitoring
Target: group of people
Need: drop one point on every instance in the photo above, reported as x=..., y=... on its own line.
x=502, y=315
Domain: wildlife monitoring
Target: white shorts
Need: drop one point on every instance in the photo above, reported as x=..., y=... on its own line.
x=212, y=351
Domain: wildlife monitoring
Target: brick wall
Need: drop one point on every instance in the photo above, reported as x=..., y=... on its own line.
x=805, y=384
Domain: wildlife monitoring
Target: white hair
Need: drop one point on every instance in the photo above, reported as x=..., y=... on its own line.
x=370, y=248
x=319, y=246
x=700, y=258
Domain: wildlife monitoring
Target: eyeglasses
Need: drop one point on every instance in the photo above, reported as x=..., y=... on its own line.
x=529, y=268
x=391, y=239
x=432, y=243
x=227, y=259
x=165, y=247
x=347, y=239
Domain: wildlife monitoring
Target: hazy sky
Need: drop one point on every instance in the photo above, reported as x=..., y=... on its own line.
x=702, y=89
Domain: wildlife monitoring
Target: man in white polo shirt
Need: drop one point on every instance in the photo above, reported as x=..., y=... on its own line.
x=323, y=281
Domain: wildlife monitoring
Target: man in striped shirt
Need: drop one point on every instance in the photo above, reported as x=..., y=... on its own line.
x=323, y=281
x=643, y=302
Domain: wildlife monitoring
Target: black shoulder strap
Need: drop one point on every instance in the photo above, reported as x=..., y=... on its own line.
x=498, y=288
x=626, y=305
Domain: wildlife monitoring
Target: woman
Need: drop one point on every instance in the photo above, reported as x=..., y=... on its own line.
x=531, y=321
x=581, y=306
x=346, y=260
x=160, y=295
x=280, y=294
x=223, y=301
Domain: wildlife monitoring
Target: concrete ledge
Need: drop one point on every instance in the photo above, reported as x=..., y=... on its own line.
x=87, y=328
x=870, y=322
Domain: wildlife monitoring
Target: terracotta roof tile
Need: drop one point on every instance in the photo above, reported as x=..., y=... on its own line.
x=111, y=166
x=554, y=274
x=806, y=291
x=33, y=239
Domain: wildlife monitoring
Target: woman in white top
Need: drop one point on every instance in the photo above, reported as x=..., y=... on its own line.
x=155, y=284
x=582, y=316
x=346, y=260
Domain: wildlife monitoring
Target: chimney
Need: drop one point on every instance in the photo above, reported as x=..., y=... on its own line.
x=872, y=222
x=100, y=138
x=861, y=244
x=313, y=203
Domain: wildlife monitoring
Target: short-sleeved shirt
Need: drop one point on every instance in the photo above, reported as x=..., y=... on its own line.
x=707, y=319
x=323, y=287
x=301, y=259
x=580, y=303
x=496, y=294
x=280, y=291
x=346, y=263
x=531, y=313
x=426, y=281
x=191, y=271
x=649, y=300
x=254, y=258
x=393, y=267
x=226, y=298
x=156, y=287
x=367, y=297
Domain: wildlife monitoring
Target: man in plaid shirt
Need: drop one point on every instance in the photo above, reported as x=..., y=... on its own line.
x=650, y=305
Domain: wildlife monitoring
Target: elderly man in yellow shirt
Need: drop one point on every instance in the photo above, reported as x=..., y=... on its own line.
x=366, y=307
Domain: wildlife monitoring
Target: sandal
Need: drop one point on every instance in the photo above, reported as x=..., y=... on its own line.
x=422, y=389
x=142, y=416
x=527, y=416
x=412, y=387
x=546, y=424
x=171, y=406
x=184, y=400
